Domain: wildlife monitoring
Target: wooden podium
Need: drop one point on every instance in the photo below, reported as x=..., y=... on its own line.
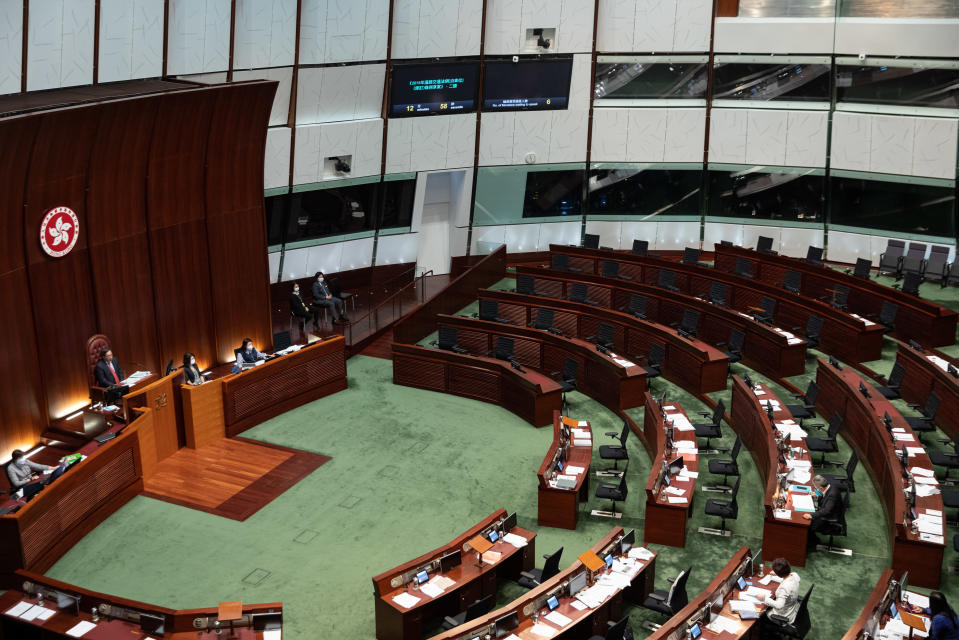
x=203, y=420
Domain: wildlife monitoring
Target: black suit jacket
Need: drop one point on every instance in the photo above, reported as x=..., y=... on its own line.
x=830, y=506
x=320, y=291
x=297, y=305
x=102, y=373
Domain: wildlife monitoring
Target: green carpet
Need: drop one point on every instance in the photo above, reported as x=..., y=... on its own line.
x=412, y=469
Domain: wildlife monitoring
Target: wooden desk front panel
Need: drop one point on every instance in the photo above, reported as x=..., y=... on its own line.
x=203, y=416
x=923, y=377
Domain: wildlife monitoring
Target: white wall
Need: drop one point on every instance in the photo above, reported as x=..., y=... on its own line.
x=768, y=136
x=846, y=247
x=524, y=238
x=903, y=145
x=648, y=135
x=60, y=45
x=199, y=36
x=508, y=20
x=788, y=241
x=131, y=39
x=654, y=26
x=436, y=28
x=328, y=258
x=11, y=46
x=333, y=94
x=361, y=139
x=916, y=37
x=430, y=142
x=343, y=30
x=276, y=169
x=264, y=33
x=280, y=113
x=774, y=35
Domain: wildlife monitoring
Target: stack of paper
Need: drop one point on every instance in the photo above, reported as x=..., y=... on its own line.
x=926, y=490
x=868, y=323
x=783, y=514
x=939, y=362
x=680, y=422
x=903, y=437
x=722, y=623
x=803, y=502
x=558, y=619
x=406, y=600
x=919, y=471
x=770, y=577
x=917, y=599
x=640, y=553
x=924, y=480
x=582, y=442
x=443, y=582
x=756, y=592
x=80, y=628
x=929, y=537
x=17, y=609
x=682, y=446
x=915, y=451
x=613, y=581
x=431, y=589
x=582, y=433
x=686, y=474
x=515, y=540
x=492, y=557
x=675, y=491
x=575, y=470
x=675, y=500
x=742, y=605
x=543, y=630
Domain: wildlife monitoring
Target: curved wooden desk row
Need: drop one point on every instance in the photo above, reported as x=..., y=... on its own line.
x=875, y=614
x=666, y=514
x=927, y=372
x=692, y=364
x=722, y=588
x=469, y=581
x=119, y=617
x=917, y=319
x=846, y=337
x=530, y=395
x=765, y=349
x=784, y=535
x=583, y=623
x=616, y=383
x=864, y=429
x=557, y=506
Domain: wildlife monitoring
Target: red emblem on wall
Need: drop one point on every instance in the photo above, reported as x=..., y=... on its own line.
x=59, y=231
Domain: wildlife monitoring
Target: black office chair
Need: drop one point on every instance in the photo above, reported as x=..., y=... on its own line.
x=813, y=332
x=792, y=281
x=667, y=280
x=951, y=274
x=479, y=608
x=504, y=348
x=640, y=247
x=887, y=315
x=560, y=261
x=765, y=245
x=689, y=325
x=950, y=500
x=337, y=292
x=591, y=241
x=840, y=297
x=614, y=452
x=726, y=468
x=605, y=335
x=544, y=321
x=610, y=269
x=723, y=509
x=489, y=310
x=614, y=492
x=910, y=284
x=712, y=429
x=808, y=407
x=945, y=459
x=578, y=293
x=616, y=631
x=814, y=255
x=925, y=422
x=446, y=340
x=846, y=482
x=691, y=256
x=567, y=380
x=527, y=286
x=734, y=346
x=936, y=265
x=891, y=389
x=914, y=265
x=654, y=363
x=862, y=269
x=836, y=527
x=890, y=260
x=767, y=310
x=668, y=603
x=799, y=627
x=637, y=305
x=829, y=444
x=744, y=268
x=717, y=293
x=535, y=577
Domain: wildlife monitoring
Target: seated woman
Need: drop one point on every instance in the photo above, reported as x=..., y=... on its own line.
x=784, y=602
x=191, y=372
x=299, y=309
x=21, y=471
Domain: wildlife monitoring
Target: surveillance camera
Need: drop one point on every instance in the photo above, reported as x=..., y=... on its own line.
x=542, y=43
x=515, y=58
x=862, y=56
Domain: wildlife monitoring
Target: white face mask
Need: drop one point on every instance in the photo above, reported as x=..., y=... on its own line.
x=249, y=348
x=192, y=362
x=320, y=278
x=22, y=462
x=297, y=291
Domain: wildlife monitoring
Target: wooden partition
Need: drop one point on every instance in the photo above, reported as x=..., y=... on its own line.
x=928, y=372
x=159, y=441
x=917, y=319
x=421, y=322
x=557, y=507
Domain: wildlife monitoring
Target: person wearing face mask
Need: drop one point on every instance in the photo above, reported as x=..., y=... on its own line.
x=191, y=372
x=22, y=471
x=829, y=508
x=323, y=297
x=248, y=353
x=299, y=308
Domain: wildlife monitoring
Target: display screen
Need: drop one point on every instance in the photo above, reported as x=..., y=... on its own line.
x=428, y=89
x=527, y=85
x=422, y=577
x=493, y=536
x=552, y=603
x=694, y=631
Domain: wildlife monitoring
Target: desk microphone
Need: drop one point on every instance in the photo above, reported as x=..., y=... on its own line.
x=516, y=366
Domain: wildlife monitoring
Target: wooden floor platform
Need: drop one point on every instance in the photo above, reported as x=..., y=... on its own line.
x=233, y=477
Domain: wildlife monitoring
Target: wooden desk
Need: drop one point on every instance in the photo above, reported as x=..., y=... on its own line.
x=203, y=418
x=584, y=623
x=848, y=338
x=766, y=349
x=692, y=364
x=864, y=429
x=879, y=600
x=284, y=383
x=665, y=520
x=560, y=507
x=394, y=622
x=530, y=395
x=925, y=373
x=722, y=587
x=614, y=381
x=161, y=441
x=118, y=616
x=921, y=320
x=782, y=536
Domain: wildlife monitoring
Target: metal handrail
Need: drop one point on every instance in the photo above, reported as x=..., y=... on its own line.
x=389, y=300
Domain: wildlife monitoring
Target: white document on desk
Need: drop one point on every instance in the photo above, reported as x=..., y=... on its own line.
x=926, y=490
x=917, y=599
x=515, y=540
x=543, y=630
x=722, y=623
x=581, y=442
x=903, y=437
x=925, y=526
x=558, y=619
x=742, y=605
x=272, y=634
x=18, y=608
x=431, y=590
x=406, y=600
x=920, y=471
x=803, y=502
x=80, y=628
x=575, y=470
x=675, y=500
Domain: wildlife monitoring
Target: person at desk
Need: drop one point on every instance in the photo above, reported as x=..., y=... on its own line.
x=21, y=471
x=191, y=372
x=828, y=508
x=299, y=308
x=944, y=625
x=247, y=354
x=323, y=297
x=784, y=602
x=107, y=372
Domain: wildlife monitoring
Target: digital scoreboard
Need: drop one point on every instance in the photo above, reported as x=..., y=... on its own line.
x=430, y=89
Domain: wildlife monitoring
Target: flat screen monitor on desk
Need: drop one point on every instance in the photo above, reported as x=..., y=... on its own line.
x=577, y=583
x=268, y=621
x=450, y=560
x=505, y=624
x=676, y=465
x=695, y=631
x=904, y=581
x=627, y=542
x=509, y=523
x=151, y=624
x=67, y=601
x=741, y=583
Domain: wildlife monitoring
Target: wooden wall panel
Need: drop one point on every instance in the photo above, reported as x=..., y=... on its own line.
x=118, y=242
x=236, y=220
x=61, y=288
x=16, y=141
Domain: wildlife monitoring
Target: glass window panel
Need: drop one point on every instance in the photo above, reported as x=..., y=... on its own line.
x=276, y=210
x=644, y=192
x=553, y=193
x=513, y=194
x=398, y=198
x=761, y=195
x=756, y=81
x=915, y=86
x=787, y=8
x=899, y=9
x=332, y=212
x=893, y=206
x=644, y=80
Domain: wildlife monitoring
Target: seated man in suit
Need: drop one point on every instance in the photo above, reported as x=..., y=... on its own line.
x=299, y=308
x=22, y=471
x=828, y=508
x=108, y=372
x=323, y=297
